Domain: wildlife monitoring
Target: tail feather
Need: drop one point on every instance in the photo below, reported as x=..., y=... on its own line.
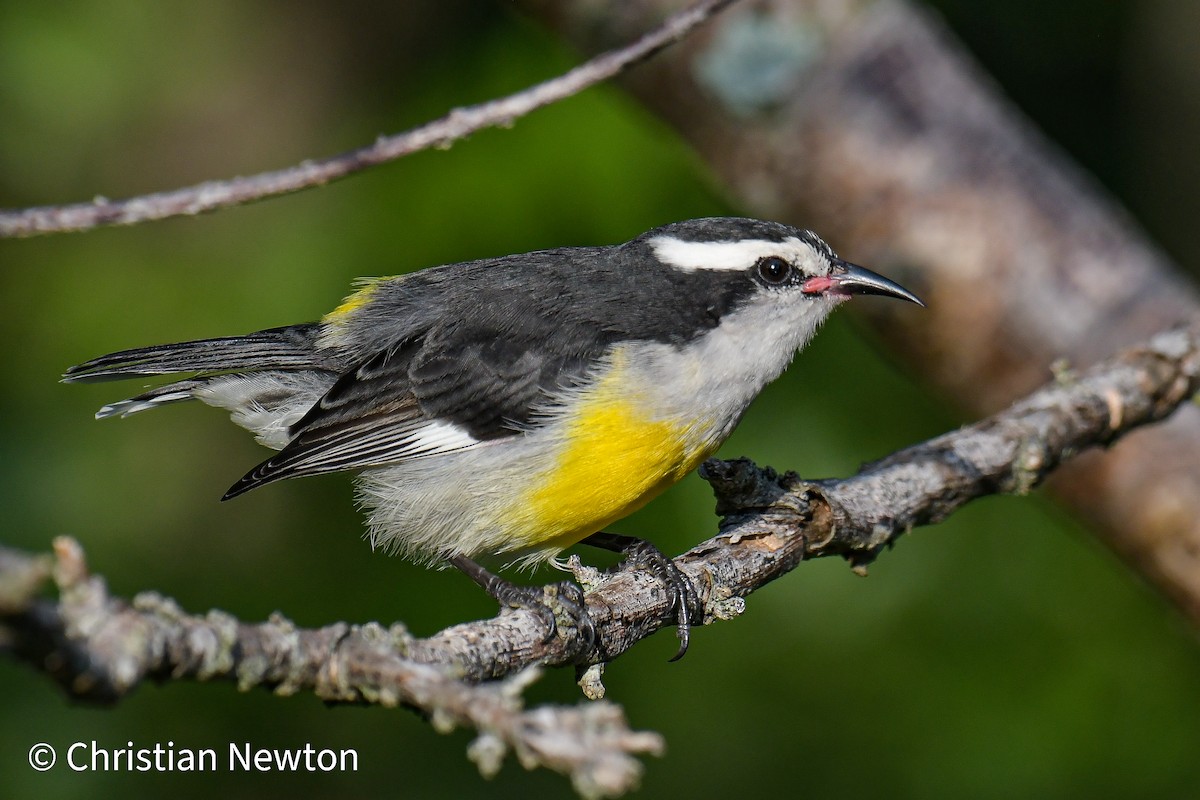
x=291, y=347
x=266, y=380
x=160, y=396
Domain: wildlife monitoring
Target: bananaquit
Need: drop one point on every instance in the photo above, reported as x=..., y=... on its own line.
x=521, y=404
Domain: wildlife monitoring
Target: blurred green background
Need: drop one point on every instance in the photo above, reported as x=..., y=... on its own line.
x=1003, y=653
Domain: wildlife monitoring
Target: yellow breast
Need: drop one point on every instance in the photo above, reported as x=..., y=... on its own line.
x=614, y=460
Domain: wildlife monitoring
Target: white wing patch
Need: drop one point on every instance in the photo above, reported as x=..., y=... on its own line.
x=438, y=437
x=692, y=256
x=390, y=444
x=356, y=448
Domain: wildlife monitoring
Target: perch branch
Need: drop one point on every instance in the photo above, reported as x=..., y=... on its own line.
x=440, y=133
x=869, y=123
x=100, y=648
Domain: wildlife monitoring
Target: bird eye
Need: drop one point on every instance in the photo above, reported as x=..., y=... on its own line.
x=774, y=270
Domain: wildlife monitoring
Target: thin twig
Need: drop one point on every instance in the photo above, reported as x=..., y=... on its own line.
x=440, y=133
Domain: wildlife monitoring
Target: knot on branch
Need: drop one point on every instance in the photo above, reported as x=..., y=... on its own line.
x=742, y=486
x=1178, y=367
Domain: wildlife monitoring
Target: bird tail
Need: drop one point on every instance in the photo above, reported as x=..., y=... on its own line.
x=291, y=347
x=160, y=396
x=266, y=380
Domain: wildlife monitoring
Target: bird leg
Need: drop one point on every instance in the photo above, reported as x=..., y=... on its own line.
x=564, y=596
x=682, y=592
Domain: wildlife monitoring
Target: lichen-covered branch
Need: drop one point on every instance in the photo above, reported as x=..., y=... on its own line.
x=99, y=648
x=441, y=133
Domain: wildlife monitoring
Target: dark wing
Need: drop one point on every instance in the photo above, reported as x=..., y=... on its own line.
x=441, y=392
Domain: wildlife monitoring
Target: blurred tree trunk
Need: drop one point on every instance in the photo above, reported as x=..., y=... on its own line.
x=867, y=122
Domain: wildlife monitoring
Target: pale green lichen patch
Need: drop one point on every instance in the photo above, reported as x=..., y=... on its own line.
x=755, y=62
x=591, y=682
x=1028, y=467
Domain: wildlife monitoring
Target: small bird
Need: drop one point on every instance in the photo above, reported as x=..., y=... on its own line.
x=519, y=405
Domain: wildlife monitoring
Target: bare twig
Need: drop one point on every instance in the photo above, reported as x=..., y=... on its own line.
x=101, y=648
x=440, y=133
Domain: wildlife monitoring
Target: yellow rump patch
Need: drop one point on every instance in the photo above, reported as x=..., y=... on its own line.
x=354, y=301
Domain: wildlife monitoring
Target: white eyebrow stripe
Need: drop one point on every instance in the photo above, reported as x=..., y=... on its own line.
x=692, y=256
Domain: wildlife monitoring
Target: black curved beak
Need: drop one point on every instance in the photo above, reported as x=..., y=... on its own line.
x=847, y=278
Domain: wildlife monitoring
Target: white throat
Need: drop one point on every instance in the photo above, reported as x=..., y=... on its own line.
x=712, y=380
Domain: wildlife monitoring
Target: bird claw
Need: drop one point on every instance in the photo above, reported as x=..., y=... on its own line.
x=685, y=601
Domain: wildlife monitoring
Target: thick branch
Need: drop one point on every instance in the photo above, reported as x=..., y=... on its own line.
x=101, y=648
x=440, y=133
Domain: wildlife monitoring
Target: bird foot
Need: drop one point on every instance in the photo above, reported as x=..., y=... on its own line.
x=552, y=603
x=684, y=598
